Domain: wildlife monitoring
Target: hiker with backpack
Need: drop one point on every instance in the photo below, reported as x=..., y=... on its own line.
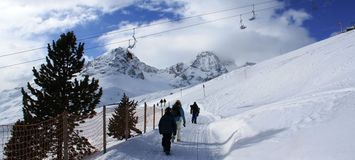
x=194, y=110
x=179, y=115
x=167, y=127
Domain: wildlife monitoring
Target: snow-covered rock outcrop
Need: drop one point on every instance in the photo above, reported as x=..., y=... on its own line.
x=206, y=66
x=119, y=61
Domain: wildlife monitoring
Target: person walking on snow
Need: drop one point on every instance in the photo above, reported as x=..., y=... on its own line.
x=167, y=127
x=194, y=110
x=179, y=115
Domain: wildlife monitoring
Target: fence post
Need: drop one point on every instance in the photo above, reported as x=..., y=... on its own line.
x=161, y=110
x=145, y=117
x=104, y=128
x=153, y=116
x=65, y=135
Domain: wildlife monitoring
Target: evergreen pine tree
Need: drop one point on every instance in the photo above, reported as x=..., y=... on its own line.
x=57, y=89
x=117, y=123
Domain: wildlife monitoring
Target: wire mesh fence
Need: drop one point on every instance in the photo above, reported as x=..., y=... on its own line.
x=35, y=141
x=31, y=141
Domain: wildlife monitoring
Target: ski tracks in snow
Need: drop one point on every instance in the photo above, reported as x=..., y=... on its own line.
x=195, y=145
x=196, y=141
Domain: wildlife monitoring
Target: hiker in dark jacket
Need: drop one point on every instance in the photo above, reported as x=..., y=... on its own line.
x=167, y=127
x=194, y=110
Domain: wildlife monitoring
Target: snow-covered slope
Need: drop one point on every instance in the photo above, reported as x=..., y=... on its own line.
x=300, y=105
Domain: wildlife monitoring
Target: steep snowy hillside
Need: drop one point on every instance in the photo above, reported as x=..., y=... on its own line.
x=300, y=105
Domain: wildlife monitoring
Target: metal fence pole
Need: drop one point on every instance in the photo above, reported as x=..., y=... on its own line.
x=104, y=127
x=145, y=117
x=65, y=135
x=153, y=116
x=161, y=110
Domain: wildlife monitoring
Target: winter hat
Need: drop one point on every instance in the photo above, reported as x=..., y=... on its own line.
x=168, y=109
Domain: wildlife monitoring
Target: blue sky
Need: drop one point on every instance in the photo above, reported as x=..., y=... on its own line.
x=280, y=26
x=111, y=21
x=326, y=15
x=325, y=18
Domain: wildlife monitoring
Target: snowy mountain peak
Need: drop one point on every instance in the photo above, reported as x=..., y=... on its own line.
x=207, y=61
x=177, y=69
x=206, y=66
x=115, y=54
x=121, y=61
x=120, y=71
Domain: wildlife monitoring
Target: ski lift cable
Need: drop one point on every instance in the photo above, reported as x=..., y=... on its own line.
x=181, y=19
x=153, y=34
x=139, y=27
x=16, y=64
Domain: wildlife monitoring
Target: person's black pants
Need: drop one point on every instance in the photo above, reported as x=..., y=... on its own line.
x=194, y=118
x=166, y=142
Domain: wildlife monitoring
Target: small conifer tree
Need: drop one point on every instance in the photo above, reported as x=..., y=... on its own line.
x=126, y=110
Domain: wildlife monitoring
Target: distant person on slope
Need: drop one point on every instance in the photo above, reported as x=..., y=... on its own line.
x=194, y=110
x=179, y=115
x=167, y=127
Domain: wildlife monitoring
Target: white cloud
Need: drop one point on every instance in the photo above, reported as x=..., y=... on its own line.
x=27, y=24
x=269, y=35
x=293, y=17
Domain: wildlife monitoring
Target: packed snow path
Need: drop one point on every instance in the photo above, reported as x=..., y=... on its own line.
x=195, y=144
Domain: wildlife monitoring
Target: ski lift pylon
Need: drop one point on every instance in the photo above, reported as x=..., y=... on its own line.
x=242, y=26
x=253, y=12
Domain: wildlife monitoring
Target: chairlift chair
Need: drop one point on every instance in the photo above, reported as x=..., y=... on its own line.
x=242, y=26
x=253, y=12
x=129, y=53
x=134, y=40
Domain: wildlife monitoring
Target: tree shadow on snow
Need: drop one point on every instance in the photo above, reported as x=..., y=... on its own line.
x=247, y=106
x=140, y=147
x=250, y=141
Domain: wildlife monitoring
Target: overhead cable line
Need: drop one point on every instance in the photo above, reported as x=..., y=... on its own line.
x=184, y=27
x=16, y=64
x=157, y=33
x=143, y=26
x=177, y=20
